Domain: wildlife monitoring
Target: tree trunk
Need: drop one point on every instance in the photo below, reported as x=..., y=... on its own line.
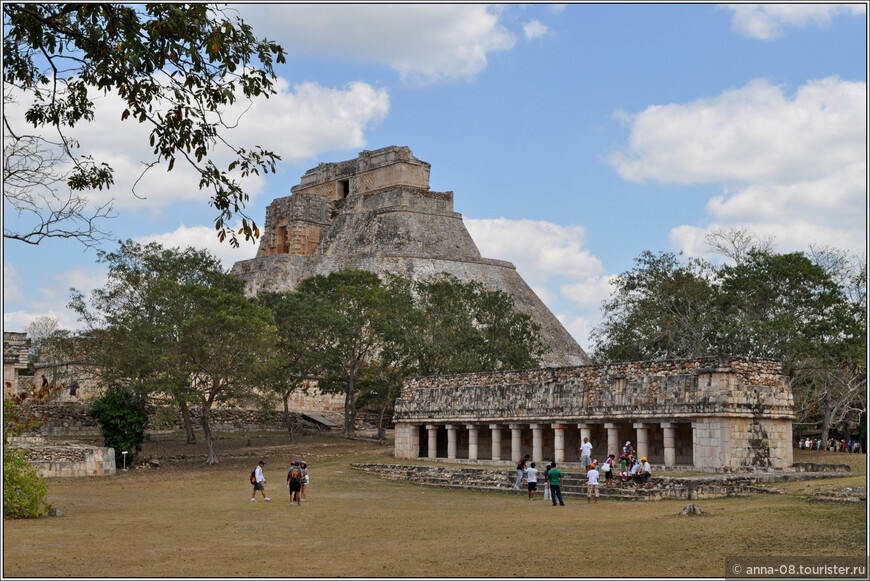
x=349, y=408
x=826, y=422
x=291, y=427
x=211, y=457
x=185, y=418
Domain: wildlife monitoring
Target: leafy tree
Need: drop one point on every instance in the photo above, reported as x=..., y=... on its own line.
x=177, y=67
x=174, y=323
x=303, y=324
x=661, y=309
x=354, y=301
x=122, y=417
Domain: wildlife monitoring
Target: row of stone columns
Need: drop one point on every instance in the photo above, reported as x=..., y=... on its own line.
x=613, y=443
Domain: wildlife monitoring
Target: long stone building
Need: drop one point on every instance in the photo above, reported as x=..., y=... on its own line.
x=714, y=414
x=377, y=213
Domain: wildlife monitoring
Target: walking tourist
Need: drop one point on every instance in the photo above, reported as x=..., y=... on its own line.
x=556, y=485
x=586, y=453
x=259, y=483
x=592, y=484
x=304, y=481
x=294, y=482
x=532, y=478
x=521, y=469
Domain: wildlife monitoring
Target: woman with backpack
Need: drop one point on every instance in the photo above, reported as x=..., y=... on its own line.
x=294, y=482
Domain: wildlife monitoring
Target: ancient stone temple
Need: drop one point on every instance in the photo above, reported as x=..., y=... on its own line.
x=716, y=413
x=377, y=213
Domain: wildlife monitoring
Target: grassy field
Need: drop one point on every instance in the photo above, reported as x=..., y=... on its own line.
x=187, y=519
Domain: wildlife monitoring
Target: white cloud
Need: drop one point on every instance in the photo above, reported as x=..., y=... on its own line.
x=298, y=124
x=203, y=238
x=792, y=166
x=534, y=29
x=590, y=292
x=580, y=327
x=424, y=43
x=12, y=284
x=769, y=21
x=540, y=250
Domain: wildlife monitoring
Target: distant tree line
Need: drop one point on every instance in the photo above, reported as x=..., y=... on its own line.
x=173, y=324
x=807, y=309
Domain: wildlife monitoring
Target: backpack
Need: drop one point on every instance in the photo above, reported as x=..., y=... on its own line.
x=254, y=476
x=295, y=474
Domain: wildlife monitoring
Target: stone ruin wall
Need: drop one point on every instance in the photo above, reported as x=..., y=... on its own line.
x=740, y=409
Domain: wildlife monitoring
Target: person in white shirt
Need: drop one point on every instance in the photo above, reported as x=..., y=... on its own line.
x=260, y=483
x=586, y=453
x=644, y=472
x=532, y=478
x=592, y=484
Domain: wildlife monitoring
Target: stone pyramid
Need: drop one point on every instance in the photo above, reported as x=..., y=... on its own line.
x=376, y=213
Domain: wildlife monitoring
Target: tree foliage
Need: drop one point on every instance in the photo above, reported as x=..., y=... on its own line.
x=122, y=416
x=172, y=323
x=176, y=66
x=807, y=310
x=360, y=335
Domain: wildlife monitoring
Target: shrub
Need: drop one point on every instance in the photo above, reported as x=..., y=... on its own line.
x=24, y=490
x=122, y=417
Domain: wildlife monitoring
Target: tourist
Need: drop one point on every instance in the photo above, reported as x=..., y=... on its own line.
x=800, y=443
x=586, y=453
x=532, y=479
x=259, y=483
x=623, y=467
x=556, y=485
x=304, y=481
x=547, y=483
x=44, y=381
x=807, y=444
x=608, y=471
x=294, y=482
x=627, y=449
x=635, y=467
x=644, y=471
x=521, y=469
x=592, y=484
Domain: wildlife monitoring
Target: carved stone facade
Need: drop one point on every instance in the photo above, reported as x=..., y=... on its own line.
x=376, y=213
x=716, y=413
x=15, y=350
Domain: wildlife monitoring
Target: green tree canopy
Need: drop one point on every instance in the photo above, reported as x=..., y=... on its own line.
x=177, y=66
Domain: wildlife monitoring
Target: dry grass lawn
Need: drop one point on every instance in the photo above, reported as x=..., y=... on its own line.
x=186, y=519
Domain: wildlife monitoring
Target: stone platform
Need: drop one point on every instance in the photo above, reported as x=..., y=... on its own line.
x=658, y=487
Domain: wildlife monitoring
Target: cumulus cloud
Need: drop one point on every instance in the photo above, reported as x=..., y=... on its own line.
x=424, y=43
x=534, y=29
x=540, y=250
x=590, y=292
x=298, y=123
x=791, y=166
x=770, y=21
x=203, y=238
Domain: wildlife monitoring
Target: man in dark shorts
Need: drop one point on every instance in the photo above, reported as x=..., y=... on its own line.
x=294, y=482
x=259, y=483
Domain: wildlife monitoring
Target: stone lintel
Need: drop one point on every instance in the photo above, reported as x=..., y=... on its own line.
x=666, y=425
x=584, y=426
x=431, y=426
x=557, y=426
x=496, y=426
x=610, y=425
x=640, y=425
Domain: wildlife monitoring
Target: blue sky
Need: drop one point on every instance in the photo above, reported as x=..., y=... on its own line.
x=573, y=136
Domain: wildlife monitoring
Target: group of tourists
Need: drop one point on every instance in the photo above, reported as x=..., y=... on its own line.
x=832, y=445
x=297, y=482
x=630, y=469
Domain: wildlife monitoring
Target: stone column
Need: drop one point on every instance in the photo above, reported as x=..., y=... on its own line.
x=451, y=441
x=413, y=435
x=537, y=442
x=585, y=432
x=670, y=431
x=613, y=446
x=433, y=440
x=558, y=443
x=642, y=440
x=496, y=441
x=516, y=442
x=472, y=441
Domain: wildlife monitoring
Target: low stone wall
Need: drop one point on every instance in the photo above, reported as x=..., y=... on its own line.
x=658, y=488
x=64, y=459
x=818, y=467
